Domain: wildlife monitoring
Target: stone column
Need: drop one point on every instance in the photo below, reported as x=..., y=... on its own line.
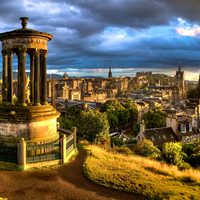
x=36, y=79
x=53, y=95
x=10, y=78
x=4, y=76
x=41, y=75
x=63, y=148
x=73, y=130
x=21, y=154
x=22, y=78
x=44, y=78
x=32, y=58
x=18, y=78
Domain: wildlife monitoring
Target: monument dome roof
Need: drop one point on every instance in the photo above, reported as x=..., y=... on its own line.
x=23, y=32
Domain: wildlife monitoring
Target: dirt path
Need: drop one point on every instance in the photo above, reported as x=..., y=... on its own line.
x=65, y=182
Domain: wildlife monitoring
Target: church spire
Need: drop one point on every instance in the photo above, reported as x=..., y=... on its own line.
x=110, y=73
x=180, y=68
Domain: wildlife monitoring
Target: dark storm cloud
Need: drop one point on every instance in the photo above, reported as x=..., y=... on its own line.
x=86, y=33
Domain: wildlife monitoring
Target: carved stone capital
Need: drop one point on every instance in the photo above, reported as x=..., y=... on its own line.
x=9, y=52
x=37, y=52
x=44, y=53
x=32, y=55
x=4, y=53
x=22, y=51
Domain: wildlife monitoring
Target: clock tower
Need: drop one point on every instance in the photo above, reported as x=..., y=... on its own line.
x=179, y=92
x=180, y=78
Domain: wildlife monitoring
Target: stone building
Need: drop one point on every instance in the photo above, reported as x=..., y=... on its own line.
x=179, y=92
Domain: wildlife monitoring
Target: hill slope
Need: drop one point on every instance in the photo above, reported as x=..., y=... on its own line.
x=140, y=175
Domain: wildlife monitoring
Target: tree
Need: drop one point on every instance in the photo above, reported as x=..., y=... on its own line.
x=92, y=125
x=171, y=152
x=111, y=87
x=116, y=142
x=112, y=119
x=115, y=111
x=193, y=93
x=136, y=129
x=147, y=149
x=145, y=90
x=132, y=109
x=72, y=108
x=155, y=118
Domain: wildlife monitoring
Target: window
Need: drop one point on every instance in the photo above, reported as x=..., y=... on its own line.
x=164, y=137
x=159, y=136
x=138, y=137
x=190, y=127
x=183, y=128
x=171, y=136
x=152, y=138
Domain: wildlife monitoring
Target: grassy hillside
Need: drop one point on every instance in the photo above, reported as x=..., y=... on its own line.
x=140, y=175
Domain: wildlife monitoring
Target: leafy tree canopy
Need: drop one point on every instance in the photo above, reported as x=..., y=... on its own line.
x=132, y=109
x=136, y=129
x=92, y=125
x=193, y=93
x=171, y=152
x=114, y=110
x=72, y=108
x=155, y=118
x=111, y=87
x=147, y=149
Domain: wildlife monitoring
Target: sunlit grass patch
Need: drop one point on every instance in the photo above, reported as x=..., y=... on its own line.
x=140, y=175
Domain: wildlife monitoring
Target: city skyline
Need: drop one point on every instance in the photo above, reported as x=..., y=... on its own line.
x=129, y=35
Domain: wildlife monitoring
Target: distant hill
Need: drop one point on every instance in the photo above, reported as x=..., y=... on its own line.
x=92, y=77
x=55, y=76
x=187, y=81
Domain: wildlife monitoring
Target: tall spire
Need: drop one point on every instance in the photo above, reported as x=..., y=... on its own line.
x=110, y=73
x=180, y=68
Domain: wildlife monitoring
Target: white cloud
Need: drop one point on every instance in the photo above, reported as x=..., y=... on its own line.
x=181, y=21
x=191, y=76
x=189, y=31
x=52, y=71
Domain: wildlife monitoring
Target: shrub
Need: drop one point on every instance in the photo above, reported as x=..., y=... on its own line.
x=116, y=142
x=124, y=150
x=92, y=126
x=188, y=149
x=147, y=149
x=171, y=153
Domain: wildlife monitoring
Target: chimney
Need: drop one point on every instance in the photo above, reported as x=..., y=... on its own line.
x=191, y=120
x=172, y=122
x=142, y=127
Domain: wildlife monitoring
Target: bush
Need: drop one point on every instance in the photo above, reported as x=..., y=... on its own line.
x=147, y=149
x=116, y=142
x=188, y=149
x=136, y=129
x=124, y=150
x=172, y=153
x=131, y=141
x=72, y=108
x=92, y=126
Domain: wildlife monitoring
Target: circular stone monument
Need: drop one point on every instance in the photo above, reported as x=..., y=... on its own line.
x=33, y=119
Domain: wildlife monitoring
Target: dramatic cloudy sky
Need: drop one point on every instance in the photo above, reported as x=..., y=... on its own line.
x=129, y=35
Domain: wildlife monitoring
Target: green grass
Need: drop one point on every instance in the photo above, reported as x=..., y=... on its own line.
x=140, y=175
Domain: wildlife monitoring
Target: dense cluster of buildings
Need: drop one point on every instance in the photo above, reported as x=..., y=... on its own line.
x=88, y=89
x=100, y=89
